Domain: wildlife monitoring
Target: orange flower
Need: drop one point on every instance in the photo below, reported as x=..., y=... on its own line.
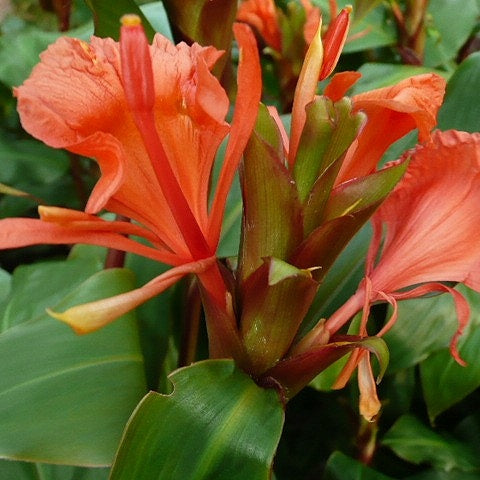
x=391, y=113
x=153, y=117
x=263, y=16
x=431, y=220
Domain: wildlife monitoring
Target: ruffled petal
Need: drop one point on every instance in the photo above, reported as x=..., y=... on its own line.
x=73, y=92
x=392, y=112
x=432, y=217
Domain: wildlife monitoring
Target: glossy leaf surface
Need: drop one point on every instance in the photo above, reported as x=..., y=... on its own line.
x=64, y=398
x=462, y=103
x=416, y=443
x=217, y=423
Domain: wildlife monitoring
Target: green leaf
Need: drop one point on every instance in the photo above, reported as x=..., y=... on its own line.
x=275, y=299
x=38, y=471
x=216, y=424
x=65, y=398
x=157, y=17
x=444, y=381
x=27, y=44
x=272, y=223
x=37, y=287
x=451, y=23
x=341, y=467
x=462, y=102
x=372, y=31
x=416, y=443
x=107, y=14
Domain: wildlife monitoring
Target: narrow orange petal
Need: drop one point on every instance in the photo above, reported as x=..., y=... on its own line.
x=334, y=41
x=23, y=232
x=88, y=317
x=136, y=68
x=369, y=403
x=244, y=118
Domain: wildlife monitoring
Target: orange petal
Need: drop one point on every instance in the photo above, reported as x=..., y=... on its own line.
x=74, y=99
x=244, y=117
x=340, y=84
x=392, y=112
x=22, y=232
x=432, y=217
x=369, y=403
x=91, y=316
x=334, y=41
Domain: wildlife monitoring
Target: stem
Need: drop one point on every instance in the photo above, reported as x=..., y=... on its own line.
x=116, y=258
x=188, y=348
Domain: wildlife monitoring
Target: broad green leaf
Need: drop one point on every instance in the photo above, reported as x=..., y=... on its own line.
x=216, y=424
x=107, y=14
x=275, y=299
x=65, y=398
x=5, y=284
x=416, y=443
x=451, y=23
x=341, y=467
x=272, y=224
x=445, y=382
x=363, y=7
x=37, y=287
x=462, y=102
x=424, y=326
x=30, y=161
x=10, y=470
x=157, y=17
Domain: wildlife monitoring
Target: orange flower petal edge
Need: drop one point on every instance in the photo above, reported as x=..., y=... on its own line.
x=391, y=113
